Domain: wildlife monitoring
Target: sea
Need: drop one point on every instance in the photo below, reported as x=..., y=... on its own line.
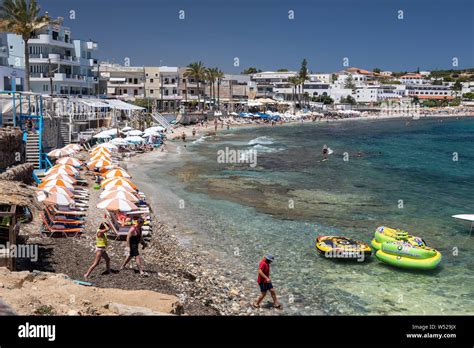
x=401, y=173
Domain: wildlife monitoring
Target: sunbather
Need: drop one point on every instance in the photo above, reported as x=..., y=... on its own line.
x=100, y=249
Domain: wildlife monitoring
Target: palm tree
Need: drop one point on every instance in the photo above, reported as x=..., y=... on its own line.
x=303, y=74
x=197, y=71
x=294, y=81
x=211, y=78
x=219, y=76
x=22, y=17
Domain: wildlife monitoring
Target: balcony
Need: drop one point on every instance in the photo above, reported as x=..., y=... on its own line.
x=54, y=59
x=46, y=39
x=91, y=45
x=63, y=77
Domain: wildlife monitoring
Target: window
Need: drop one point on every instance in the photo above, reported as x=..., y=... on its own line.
x=151, y=80
x=55, y=35
x=130, y=80
x=135, y=92
x=146, y=74
x=156, y=75
x=135, y=81
x=151, y=91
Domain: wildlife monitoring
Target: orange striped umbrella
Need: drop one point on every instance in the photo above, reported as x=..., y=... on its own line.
x=59, y=176
x=115, y=204
x=100, y=150
x=59, y=189
x=117, y=188
x=99, y=157
x=70, y=161
x=98, y=163
x=118, y=182
x=54, y=198
x=121, y=195
x=56, y=182
x=116, y=173
x=62, y=168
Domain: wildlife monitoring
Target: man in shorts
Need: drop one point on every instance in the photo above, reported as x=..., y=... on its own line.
x=265, y=283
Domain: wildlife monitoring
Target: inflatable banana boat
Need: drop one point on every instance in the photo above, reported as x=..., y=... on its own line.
x=400, y=249
x=407, y=255
x=342, y=247
x=387, y=234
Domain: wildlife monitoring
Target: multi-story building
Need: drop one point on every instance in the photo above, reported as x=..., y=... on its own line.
x=188, y=87
x=412, y=79
x=286, y=91
x=59, y=65
x=123, y=82
x=11, y=77
x=169, y=97
x=265, y=81
x=426, y=91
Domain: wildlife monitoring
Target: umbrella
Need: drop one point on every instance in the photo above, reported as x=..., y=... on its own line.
x=100, y=150
x=59, y=189
x=117, y=189
x=134, y=139
x=154, y=129
x=100, y=156
x=119, y=141
x=134, y=132
x=126, y=129
x=121, y=195
x=102, y=135
x=117, y=173
x=54, y=198
x=108, y=180
x=56, y=182
x=75, y=147
x=60, y=152
x=115, y=204
x=69, y=160
x=98, y=163
x=61, y=176
x=107, y=146
x=62, y=168
x=118, y=182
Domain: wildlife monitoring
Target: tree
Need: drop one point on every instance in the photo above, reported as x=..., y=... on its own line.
x=376, y=70
x=197, y=71
x=303, y=74
x=219, y=76
x=250, y=70
x=22, y=18
x=325, y=99
x=468, y=95
x=348, y=100
x=294, y=81
x=457, y=88
x=349, y=83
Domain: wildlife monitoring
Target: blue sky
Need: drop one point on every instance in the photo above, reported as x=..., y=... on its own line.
x=260, y=34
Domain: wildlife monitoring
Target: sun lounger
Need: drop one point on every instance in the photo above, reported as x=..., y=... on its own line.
x=59, y=211
x=60, y=219
x=59, y=228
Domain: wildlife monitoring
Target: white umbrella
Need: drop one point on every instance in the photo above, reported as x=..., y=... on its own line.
x=108, y=145
x=117, y=188
x=60, y=152
x=154, y=129
x=102, y=135
x=126, y=129
x=115, y=204
x=54, y=198
x=69, y=160
x=119, y=141
x=134, y=132
x=134, y=139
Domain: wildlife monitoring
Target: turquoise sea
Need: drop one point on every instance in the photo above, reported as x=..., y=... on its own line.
x=404, y=174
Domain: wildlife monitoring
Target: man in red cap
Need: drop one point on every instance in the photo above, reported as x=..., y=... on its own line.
x=265, y=283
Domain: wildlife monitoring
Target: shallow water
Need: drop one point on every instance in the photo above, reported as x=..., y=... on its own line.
x=397, y=174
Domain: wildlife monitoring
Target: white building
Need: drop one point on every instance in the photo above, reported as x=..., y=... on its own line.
x=56, y=61
x=266, y=81
x=412, y=79
x=10, y=76
x=123, y=82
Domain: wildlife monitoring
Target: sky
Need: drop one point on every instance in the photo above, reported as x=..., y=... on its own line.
x=428, y=34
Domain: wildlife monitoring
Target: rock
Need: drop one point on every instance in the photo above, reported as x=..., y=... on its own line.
x=122, y=309
x=73, y=312
x=233, y=292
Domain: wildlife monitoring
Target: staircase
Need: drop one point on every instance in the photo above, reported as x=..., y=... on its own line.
x=33, y=150
x=64, y=130
x=161, y=120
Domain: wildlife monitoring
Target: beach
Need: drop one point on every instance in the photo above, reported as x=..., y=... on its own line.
x=216, y=199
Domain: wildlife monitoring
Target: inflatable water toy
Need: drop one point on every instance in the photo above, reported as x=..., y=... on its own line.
x=406, y=255
x=387, y=234
x=342, y=247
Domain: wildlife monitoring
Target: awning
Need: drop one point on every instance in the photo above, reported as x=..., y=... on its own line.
x=95, y=103
x=121, y=105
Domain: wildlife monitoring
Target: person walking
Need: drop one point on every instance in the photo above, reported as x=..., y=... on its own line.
x=265, y=283
x=183, y=136
x=134, y=238
x=100, y=249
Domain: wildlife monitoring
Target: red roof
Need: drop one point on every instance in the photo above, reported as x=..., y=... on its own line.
x=435, y=97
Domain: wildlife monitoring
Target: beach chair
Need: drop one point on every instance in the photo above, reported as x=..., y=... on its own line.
x=59, y=211
x=59, y=228
x=62, y=219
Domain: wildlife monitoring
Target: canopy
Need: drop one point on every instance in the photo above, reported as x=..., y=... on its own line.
x=121, y=105
x=134, y=139
x=467, y=217
x=95, y=103
x=119, y=141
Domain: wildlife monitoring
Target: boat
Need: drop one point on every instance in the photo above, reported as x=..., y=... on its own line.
x=387, y=234
x=466, y=217
x=406, y=255
x=342, y=247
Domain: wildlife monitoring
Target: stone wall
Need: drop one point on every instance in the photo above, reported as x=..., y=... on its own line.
x=51, y=134
x=11, y=147
x=22, y=172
